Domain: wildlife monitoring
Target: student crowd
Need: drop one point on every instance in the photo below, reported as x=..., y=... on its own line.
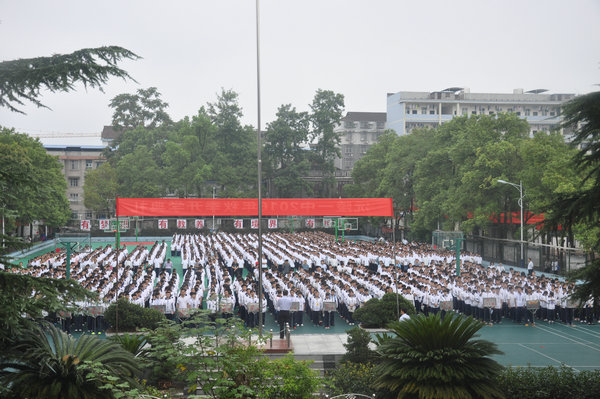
x=316, y=275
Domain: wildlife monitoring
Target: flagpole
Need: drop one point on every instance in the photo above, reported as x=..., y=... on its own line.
x=259, y=144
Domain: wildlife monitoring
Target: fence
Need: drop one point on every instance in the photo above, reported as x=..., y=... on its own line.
x=508, y=252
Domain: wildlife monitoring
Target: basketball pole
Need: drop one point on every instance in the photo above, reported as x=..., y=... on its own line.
x=458, y=241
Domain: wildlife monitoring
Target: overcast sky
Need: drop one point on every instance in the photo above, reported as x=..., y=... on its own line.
x=362, y=49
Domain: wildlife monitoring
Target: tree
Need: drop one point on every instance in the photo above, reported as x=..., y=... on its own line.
x=286, y=160
x=431, y=357
x=143, y=109
x=234, y=164
x=33, y=186
x=184, y=158
x=357, y=347
x=52, y=364
x=22, y=80
x=580, y=209
x=32, y=296
x=326, y=113
x=100, y=188
x=367, y=174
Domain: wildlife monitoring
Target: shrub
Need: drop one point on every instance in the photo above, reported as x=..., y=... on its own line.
x=357, y=347
x=351, y=377
x=379, y=313
x=549, y=382
x=428, y=357
x=132, y=316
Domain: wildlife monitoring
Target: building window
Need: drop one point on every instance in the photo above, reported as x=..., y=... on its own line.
x=74, y=164
x=348, y=150
x=414, y=111
x=98, y=163
x=380, y=125
x=88, y=164
x=363, y=136
x=347, y=164
x=75, y=215
x=535, y=113
x=73, y=182
x=518, y=113
x=552, y=113
x=365, y=125
x=88, y=215
x=349, y=125
x=527, y=112
x=74, y=197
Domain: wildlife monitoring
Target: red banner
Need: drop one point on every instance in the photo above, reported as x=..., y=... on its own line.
x=249, y=207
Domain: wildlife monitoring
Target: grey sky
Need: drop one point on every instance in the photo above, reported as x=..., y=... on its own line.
x=362, y=49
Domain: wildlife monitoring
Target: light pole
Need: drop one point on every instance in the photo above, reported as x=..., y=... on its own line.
x=213, y=229
x=520, y=188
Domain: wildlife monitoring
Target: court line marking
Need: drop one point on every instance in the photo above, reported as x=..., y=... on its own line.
x=547, y=365
x=546, y=356
x=587, y=331
x=536, y=343
x=582, y=339
x=569, y=338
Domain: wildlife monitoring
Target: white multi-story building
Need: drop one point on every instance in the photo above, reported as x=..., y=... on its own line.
x=408, y=110
x=77, y=160
x=358, y=131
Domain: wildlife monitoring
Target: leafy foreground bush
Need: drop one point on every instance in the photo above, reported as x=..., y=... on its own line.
x=47, y=363
x=216, y=360
x=428, y=357
x=132, y=316
x=379, y=313
x=549, y=383
x=351, y=377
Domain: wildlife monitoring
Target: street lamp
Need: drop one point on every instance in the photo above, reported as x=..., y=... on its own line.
x=520, y=188
x=214, y=190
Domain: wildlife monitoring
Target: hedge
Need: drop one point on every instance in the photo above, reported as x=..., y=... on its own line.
x=132, y=316
x=377, y=313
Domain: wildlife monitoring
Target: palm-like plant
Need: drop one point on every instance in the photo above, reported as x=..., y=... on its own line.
x=132, y=343
x=431, y=357
x=52, y=364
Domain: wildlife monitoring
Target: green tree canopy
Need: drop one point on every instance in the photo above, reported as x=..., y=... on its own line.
x=22, y=80
x=31, y=181
x=578, y=208
x=325, y=114
x=286, y=160
x=142, y=109
x=100, y=188
x=184, y=158
x=449, y=175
